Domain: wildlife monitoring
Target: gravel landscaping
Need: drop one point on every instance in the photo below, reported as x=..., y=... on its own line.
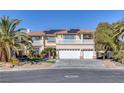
x=51, y=64
x=39, y=65
x=108, y=63
x=112, y=64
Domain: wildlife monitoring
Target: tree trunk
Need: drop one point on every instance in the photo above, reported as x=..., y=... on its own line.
x=0, y=55
x=53, y=54
x=5, y=56
x=49, y=55
x=103, y=56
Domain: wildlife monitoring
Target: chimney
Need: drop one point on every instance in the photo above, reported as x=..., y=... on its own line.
x=28, y=30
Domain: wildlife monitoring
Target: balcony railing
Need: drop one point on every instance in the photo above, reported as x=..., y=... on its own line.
x=37, y=43
x=71, y=41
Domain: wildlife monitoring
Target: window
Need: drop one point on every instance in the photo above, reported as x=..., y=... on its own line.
x=36, y=38
x=69, y=36
x=51, y=39
x=36, y=50
x=87, y=36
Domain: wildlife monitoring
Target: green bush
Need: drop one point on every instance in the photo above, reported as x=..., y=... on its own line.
x=119, y=55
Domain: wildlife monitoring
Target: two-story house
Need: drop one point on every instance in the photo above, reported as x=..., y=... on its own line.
x=69, y=44
x=75, y=44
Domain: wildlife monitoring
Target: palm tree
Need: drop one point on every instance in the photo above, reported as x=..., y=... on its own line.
x=11, y=38
x=118, y=30
x=50, y=52
x=44, y=53
x=53, y=52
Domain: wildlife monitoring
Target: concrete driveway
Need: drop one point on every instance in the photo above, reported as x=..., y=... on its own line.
x=75, y=63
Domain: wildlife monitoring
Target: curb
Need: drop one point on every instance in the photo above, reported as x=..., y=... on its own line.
x=14, y=70
x=84, y=68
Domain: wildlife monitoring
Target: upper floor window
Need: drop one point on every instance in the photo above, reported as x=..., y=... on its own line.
x=34, y=38
x=51, y=39
x=69, y=36
x=87, y=36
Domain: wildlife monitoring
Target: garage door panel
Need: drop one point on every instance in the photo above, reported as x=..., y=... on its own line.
x=69, y=54
x=88, y=54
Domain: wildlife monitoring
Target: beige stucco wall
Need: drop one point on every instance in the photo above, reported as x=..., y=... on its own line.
x=50, y=44
x=75, y=46
x=77, y=37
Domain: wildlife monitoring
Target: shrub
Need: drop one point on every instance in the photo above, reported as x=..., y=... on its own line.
x=14, y=61
x=119, y=55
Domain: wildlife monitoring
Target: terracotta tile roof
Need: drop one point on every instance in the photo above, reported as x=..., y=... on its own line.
x=72, y=32
x=36, y=33
x=59, y=32
x=80, y=31
x=62, y=32
x=86, y=31
x=50, y=34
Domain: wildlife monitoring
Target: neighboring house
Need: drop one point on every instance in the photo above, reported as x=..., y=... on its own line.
x=38, y=41
x=69, y=44
x=50, y=38
x=50, y=41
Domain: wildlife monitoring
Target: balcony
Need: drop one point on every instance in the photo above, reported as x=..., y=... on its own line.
x=89, y=41
x=37, y=43
x=71, y=41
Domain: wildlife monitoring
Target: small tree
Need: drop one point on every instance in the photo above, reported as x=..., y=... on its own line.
x=50, y=52
x=110, y=36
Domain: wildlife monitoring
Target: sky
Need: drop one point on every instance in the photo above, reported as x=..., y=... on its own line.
x=39, y=20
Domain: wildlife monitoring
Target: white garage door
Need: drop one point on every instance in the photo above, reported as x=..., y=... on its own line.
x=88, y=54
x=69, y=54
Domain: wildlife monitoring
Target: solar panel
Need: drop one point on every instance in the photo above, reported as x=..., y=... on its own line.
x=52, y=31
x=73, y=30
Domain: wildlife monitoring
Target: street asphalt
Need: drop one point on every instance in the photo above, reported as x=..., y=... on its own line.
x=63, y=76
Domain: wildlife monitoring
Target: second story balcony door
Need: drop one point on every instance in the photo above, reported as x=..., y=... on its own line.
x=71, y=39
x=37, y=41
x=51, y=39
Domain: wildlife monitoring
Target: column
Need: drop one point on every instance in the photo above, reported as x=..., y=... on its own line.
x=56, y=40
x=57, y=54
x=43, y=42
x=94, y=53
x=81, y=37
x=81, y=54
